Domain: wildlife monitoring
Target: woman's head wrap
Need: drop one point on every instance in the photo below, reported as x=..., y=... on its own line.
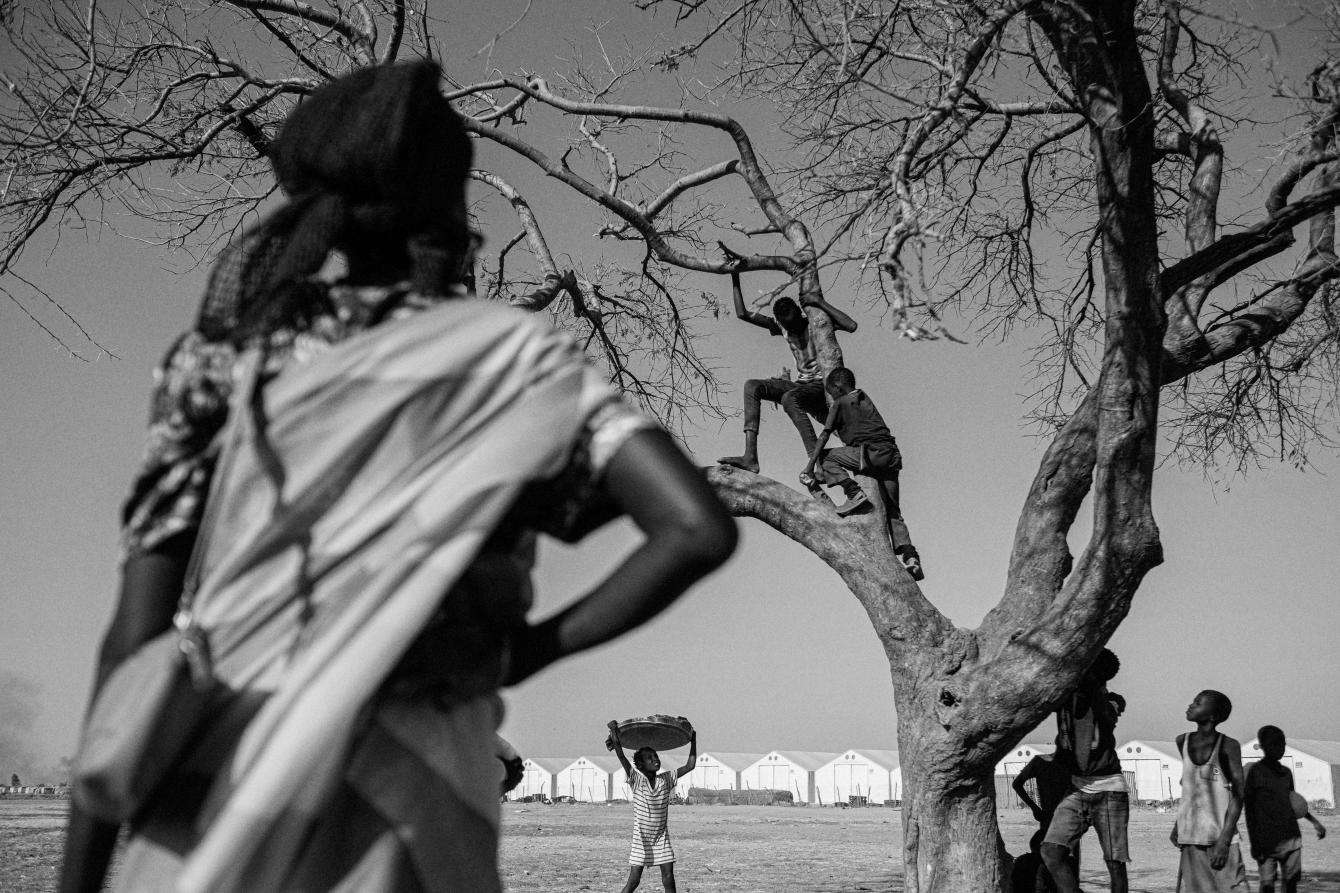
x=374, y=163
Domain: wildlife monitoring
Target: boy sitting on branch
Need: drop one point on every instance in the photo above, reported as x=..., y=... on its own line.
x=868, y=449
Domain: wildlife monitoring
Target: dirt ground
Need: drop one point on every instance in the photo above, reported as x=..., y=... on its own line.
x=751, y=849
x=721, y=849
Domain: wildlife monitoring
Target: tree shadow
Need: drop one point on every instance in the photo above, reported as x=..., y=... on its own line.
x=1142, y=880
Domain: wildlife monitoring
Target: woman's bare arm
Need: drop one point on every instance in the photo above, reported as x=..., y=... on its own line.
x=150, y=589
x=688, y=535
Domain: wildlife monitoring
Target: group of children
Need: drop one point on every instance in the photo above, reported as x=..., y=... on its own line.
x=1078, y=787
x=831, y=397
x=1081, y=785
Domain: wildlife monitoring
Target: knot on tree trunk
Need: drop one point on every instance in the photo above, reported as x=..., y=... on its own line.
x=959, y=647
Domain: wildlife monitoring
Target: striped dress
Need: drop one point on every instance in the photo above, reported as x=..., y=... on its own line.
x=651, y=815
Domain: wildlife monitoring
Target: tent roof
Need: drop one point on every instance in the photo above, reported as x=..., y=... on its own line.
x=606, y=761
x=809, y=760
x=1329, y=751
x=1163, y=748
x=736, y=761
x=886, y=758
x=1037, y=746
x=552, y=764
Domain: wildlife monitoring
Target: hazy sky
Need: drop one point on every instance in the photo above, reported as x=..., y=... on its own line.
x=771, y=652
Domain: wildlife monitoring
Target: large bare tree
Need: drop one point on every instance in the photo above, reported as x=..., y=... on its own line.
x=954, y=153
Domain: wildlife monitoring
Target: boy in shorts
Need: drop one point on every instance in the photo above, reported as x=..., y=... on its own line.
x=1086, y=739
x=1272, y=821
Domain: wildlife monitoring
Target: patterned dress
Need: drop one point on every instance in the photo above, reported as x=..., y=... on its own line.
x=651, y=819
x=411, y=815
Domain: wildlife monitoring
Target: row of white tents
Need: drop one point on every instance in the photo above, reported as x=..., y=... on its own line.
x=1153, y=773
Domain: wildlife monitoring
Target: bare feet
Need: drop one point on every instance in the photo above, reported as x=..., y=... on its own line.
x=748, y=463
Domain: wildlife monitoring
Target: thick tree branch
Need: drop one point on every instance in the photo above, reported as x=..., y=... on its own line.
x=906, y=222
x=857, y=548
x=1277, y=231
x=356, y=36
x=539, y=246
x=1112, y=437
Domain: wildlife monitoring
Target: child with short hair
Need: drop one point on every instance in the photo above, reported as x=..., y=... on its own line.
x=1212, y=785
x=1272, y=820
x=868, y=449
x=652, y=791
x=1098, y=797
x=1051, y=778
x=801, y=399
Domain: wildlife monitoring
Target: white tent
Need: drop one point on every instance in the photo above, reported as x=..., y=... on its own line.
x=593, y=779
x=1155, y=768
x=718, y=771
x=1014, y=762
x=786, y=770
x=540, y=777
x=1315, y=765
x=869, y=773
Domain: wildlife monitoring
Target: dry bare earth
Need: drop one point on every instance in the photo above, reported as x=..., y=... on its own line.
x=758, y=849
x=31, y=832
x=776, y=849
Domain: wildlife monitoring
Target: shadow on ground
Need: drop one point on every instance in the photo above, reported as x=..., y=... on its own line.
x=1142, y=881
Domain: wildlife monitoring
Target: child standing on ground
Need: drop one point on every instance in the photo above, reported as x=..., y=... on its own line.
x=652, y=790
x=1212, y=786
x=1052, y=780
x=1098, y=798
x=1272, y=823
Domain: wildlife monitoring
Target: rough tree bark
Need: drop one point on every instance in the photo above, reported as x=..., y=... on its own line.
x=963, y=697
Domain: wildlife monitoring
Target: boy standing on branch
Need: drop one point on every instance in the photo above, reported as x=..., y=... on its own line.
x=800, y=399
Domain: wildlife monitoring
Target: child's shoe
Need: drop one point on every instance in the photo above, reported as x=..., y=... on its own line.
x=854, y=503
x=913, y=565
x=816, y=489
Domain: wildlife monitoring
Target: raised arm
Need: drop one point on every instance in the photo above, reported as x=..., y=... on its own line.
x=618, y=749
x=841, y=321
x=693, y=756
x=737, y=298
x=688, y=535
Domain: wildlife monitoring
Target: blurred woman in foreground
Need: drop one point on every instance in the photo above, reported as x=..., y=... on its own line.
x=379, y=455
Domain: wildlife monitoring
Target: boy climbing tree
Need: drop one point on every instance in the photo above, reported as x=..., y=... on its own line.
x=799, y=399
x=869, y=449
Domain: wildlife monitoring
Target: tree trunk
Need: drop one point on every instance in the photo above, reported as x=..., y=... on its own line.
x=951, y=842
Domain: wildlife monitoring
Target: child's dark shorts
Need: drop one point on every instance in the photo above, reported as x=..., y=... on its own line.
x=1107, y=812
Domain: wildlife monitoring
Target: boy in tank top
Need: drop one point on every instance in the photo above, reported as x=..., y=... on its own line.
x=1212, y=785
